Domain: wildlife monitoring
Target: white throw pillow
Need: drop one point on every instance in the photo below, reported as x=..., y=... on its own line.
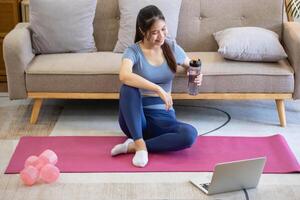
x=249, y=44
x=129, y=10
x=62, y=25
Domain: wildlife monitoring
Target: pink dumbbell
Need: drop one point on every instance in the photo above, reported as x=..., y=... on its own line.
x=29, y=175
x=40, y=167
x=31, y=160
x=49, y=173
x=47, y=156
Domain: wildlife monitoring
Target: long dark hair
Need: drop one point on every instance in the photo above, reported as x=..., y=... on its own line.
x=145, y=19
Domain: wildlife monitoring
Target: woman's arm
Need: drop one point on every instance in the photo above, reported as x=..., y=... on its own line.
x=129, y=78
x=181, y=55
x=186, y=63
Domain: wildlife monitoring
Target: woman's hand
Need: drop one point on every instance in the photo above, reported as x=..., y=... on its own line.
x=166, y=97
x=198, y=79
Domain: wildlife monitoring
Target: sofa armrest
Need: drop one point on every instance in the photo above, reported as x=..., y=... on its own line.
x=17, y=53
x=291, y=40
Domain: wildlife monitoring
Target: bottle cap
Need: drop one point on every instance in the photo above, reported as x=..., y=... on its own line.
x=195, y=63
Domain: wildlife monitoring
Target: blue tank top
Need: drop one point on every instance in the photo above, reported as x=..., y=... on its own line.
x=160, y=75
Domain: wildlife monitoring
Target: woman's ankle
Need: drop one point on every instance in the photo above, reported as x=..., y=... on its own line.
x=140, y=145
x=131, y=148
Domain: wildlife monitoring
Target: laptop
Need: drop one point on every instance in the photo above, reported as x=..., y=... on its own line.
x=232, y=176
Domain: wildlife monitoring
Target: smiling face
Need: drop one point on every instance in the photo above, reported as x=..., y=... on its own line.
x=157, y=33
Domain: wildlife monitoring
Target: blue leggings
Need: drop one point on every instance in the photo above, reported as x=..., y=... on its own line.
x=159, y=128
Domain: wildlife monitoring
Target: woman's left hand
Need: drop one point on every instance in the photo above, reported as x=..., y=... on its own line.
x=198, y=79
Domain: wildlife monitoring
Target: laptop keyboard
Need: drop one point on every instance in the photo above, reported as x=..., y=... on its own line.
x=205, y=186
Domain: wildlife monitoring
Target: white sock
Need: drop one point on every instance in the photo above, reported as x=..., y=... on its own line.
x=121, y=148
x=140, y=158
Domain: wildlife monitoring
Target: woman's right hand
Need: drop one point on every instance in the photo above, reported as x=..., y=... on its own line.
x=166, y=97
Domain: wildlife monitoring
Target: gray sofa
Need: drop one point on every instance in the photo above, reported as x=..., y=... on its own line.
x=95, y=75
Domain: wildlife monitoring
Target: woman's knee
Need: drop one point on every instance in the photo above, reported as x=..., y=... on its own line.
x=129, y=90
x=130, y=98
x=190, y=134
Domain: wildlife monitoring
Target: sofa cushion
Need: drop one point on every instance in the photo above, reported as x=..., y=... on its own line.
x=62, y=26
x=98, y=72
x=79, y=63
x=214, y=64
x=129, y=10
x=249, y=44
x=109, y=63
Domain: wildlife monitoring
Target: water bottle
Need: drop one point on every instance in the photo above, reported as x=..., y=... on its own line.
x=194, y=70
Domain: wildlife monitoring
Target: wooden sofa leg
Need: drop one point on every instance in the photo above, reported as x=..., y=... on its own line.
x=36, y=110
x=281, y=112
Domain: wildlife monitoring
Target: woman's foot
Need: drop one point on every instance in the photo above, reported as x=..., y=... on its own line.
x=125, y=147
x=140, y=158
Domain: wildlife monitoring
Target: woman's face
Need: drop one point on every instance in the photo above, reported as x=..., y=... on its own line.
x=157, y=33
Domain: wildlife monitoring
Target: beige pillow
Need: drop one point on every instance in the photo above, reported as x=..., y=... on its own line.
x=129, y=10
x=62, y=26
x=249, y=44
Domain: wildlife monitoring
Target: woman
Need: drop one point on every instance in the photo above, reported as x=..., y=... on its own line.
x=146, y=114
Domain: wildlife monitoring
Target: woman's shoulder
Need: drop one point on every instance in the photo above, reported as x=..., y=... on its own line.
x=171, y=42
x=179, y=53
x=132, y=52
x=132, y=48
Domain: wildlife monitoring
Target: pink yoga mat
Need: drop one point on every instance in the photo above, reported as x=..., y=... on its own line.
x=92, y=154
